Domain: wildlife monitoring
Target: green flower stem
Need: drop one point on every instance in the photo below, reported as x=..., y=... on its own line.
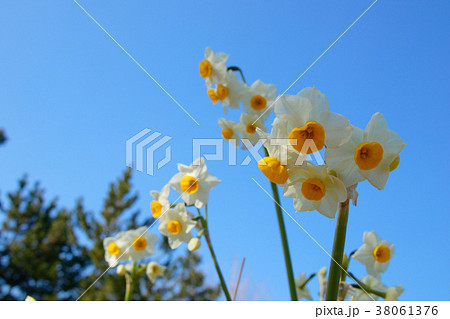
x=344, y=274
x=360, y=285
x=284, y=241
x=338, y=252
x=129, y=283
x=213, y=255
x=235, y=68
x=307, y=280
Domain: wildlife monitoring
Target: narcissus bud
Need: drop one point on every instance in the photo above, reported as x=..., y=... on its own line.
x=194, y=244
x=121, y=270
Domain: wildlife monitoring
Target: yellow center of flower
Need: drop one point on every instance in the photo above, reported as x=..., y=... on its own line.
x=222, y=92
x=258, y=102
x=251, y=128
x=381, y=253
x=155, y=207
x=394, y=163
x=273, y=170
x=212, y=95
x=311, y=131
x=313, y=189
x=227, y=133
x=205, y=69
x=139, y=243
x=174, y=227
x=155, y=268
x=113, y=249
x=368, y=155
x=189, y=184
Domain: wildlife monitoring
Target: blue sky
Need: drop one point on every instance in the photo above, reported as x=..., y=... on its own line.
x=70, y=98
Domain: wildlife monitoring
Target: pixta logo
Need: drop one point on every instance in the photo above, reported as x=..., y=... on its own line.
x=145, y=141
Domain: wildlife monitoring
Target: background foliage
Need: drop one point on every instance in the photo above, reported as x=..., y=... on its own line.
x=55, y=253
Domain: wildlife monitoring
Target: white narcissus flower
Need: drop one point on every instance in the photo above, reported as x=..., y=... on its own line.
x=194, y=182
x=142, y=243
x=259, y=99
x=314, y=189
x=116, y=249
x=29, y=298
x=154, y=270
x=161, y=201
x=230, y=130
x=302, y=291
x=213, y=68
x=393, y=293
x=176, y=225
x=372, y=282
x=280, y=159
x=310, y=124
x=370, y=154
x=247, y=127
x=375, y=253
x=230, y=92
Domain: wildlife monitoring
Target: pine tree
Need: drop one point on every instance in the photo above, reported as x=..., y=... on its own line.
x=54, y=253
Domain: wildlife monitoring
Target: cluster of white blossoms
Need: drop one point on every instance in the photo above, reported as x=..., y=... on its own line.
x=132, y=245
x=193, y=183
x=303, y=125
x=223, y=86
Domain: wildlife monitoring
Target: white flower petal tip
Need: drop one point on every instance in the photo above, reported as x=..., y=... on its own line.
x=352, y=194
x=393, y=293
x=302, y=290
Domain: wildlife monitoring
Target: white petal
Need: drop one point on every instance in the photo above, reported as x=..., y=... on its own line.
x=377, y=129
x=317, y=98
x=293, y=108
x=337, y=129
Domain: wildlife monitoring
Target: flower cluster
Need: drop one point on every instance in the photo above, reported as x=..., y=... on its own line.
x=193, y=183
x=134, y=245
x=303, y=125
x=223, y=85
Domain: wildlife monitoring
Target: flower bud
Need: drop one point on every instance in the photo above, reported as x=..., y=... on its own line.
x=121, y=270
x=194, y=244
x=345, y=261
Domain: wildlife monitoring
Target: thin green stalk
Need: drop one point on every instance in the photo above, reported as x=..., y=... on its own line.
x=235, y=68
x=360, y=285
x=284, y=241
x=338, y=252
x=216, y=264
x=213, y=255
x=129, y=283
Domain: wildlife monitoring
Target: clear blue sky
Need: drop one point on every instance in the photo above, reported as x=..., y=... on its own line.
x=70, y=98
